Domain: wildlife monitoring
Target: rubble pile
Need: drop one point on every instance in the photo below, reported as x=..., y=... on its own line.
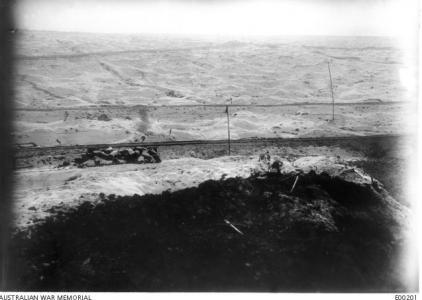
x=110, y=156
x=332, y=166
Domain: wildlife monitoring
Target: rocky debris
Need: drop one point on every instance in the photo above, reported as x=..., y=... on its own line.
x=103, y=117
x=110, y=156
x=301, y=113
x=174, y=94
x=66, y=163
x=273, y=165
x=332, y=166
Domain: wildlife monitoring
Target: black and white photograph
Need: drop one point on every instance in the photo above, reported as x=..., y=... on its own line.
x=210, y=146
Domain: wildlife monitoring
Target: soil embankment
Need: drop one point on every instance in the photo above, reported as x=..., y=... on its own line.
x=239, y=234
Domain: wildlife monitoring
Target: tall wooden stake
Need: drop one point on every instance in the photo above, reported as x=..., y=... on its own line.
x=331, y=86
x=228, y=126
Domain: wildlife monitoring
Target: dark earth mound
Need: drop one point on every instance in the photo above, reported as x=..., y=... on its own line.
x=229, y=235
x=392, y=172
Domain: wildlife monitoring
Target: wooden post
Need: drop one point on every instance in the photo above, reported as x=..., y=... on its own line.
x=294, y=184
x=331, y=87
x=228, y=126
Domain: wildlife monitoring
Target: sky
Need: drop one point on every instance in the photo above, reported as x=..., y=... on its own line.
x=221, y=17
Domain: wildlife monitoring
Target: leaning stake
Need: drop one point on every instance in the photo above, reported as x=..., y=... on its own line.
x=294, y=184
x=234, y=227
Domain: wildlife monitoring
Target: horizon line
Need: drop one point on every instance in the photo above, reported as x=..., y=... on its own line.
x=222, y=35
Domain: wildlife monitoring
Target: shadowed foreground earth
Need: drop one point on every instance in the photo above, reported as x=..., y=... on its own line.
x=327, y=235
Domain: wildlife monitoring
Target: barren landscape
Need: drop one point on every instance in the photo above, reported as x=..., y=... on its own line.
x=77, y=69
x=86, y=88
x=298, y=194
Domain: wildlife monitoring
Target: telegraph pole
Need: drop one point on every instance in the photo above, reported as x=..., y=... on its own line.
x=331, y=87
x=228, y=126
